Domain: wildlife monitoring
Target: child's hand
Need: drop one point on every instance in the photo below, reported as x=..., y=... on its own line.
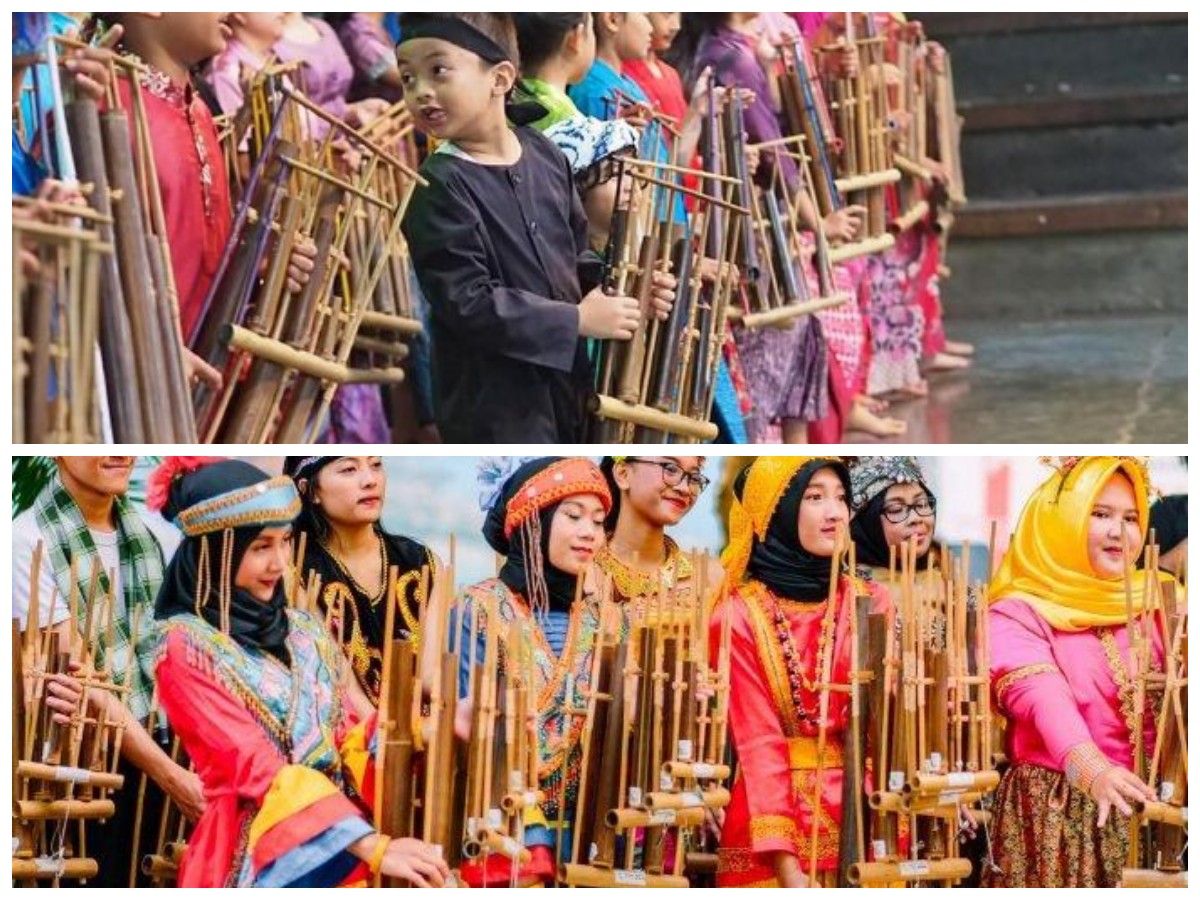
x=89, y=66
x=662, y=294
x=845, y=224
x=607, y=317
x=301, y=264
x=197, y=371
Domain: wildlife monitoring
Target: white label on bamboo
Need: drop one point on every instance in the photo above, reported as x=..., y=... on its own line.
x=949, y=798
x=1166, y=791
x=895, y=781
x=516, y=781
x=935, y=762
x=914, y=868
x=665, y=781
x=495, y=819
x=635, y=796
x=593, y=852
x=630, y=877
x=704, y=771
x=50, y=865
x=663, y=817
x=72, y=775
x=691, y=798
x=879, y=850
x=961, y=779
x=685, y=752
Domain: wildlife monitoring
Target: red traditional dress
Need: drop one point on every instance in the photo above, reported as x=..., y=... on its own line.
x=772, y=809
x=191, y=177
x=284, y=764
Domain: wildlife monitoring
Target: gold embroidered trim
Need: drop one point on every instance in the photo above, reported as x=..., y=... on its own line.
x=1007, y=681
x=632, y=583
x=770, y=654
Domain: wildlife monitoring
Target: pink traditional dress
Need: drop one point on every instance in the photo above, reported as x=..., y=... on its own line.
x=1064, y=676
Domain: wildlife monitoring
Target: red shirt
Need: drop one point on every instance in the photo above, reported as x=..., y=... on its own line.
x=665, y=89
x=193, y=184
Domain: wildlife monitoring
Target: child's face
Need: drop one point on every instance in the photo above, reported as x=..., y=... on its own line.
x=665, y=27
x=262, y=26
x=192, y=37
x=451, y=91
x=632, y=40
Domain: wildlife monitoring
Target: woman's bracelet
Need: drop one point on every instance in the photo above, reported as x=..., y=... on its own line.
x=382, y=842
x=1086, y=763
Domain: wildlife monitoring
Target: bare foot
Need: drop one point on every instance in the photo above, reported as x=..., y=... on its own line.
x=862, y=419
x=917, y=389
x=871, y=404
x=944, y=362
x=960, y=348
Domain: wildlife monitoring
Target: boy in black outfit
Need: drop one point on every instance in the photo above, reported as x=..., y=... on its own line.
x=499, y=243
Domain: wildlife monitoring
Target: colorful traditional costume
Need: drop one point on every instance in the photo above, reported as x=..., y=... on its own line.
x=254, y=691
x=530, y=592
x=782, y=628
x=1060, y=667
x=365, y=614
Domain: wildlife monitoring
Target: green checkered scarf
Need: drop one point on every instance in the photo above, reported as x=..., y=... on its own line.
x=68, y=538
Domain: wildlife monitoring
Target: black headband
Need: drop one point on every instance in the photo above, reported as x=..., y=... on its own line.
x=454, y=31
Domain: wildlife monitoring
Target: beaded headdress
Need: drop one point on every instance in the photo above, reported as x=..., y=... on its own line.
x=871, y=474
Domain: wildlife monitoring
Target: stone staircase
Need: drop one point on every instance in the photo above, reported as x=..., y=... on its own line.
x=1075, y=156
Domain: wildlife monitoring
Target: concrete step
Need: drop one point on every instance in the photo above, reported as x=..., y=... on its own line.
x=1010, y=66
x=1049, y=275
x=1118, y=107
x=1091, y=213
x=1070, y=161
x=943, y=25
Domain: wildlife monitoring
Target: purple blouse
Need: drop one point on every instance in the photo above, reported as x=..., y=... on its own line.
x=326, y=73
x=731, y=57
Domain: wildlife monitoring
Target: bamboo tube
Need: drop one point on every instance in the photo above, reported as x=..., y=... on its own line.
x=862, y=248
x=46, y=868
x=68, y=775
x=577, y=875
x=910, y=871
x=910, y=219
x=1149, y=878
x=36, y=810
x=867, y=180
x=626, y=819
x=1166, y=813
x=310, y=364
x=379, y=321
x=714, y=798
x=922, y=784
x=911, y=169
x=648, y=417
x=698, y=771
x=783, y=316
x=159, y=868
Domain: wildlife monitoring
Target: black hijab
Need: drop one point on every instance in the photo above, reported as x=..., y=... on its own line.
x=560, y=586
x=780, y=562
x=255, y=625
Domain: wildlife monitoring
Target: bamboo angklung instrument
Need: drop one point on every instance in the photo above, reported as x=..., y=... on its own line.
x=1157, y=856
x=930, y=724
x=285, y=353
x=865, y=165
x=659, y=387
x=62, y=774
x=647, y=781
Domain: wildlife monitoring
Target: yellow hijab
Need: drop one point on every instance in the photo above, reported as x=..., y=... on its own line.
x=1047, y=564
x=750, y=517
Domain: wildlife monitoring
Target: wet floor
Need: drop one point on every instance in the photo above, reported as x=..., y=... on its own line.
x=1112, y=380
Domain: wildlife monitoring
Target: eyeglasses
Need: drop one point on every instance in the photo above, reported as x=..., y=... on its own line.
x=898, y=512
x=674, y=474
